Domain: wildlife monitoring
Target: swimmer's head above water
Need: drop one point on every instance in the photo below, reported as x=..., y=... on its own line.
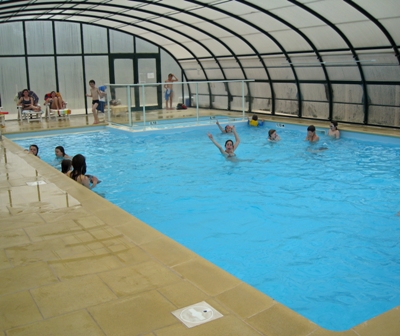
x=229, y=146
x=228, y=128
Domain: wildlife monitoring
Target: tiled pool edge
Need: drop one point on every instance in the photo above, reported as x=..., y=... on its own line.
x=271, y=318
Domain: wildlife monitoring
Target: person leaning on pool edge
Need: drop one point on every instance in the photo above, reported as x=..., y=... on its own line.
x=33, y=149
x=311, y=135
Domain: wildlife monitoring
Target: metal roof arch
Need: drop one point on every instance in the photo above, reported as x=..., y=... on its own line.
x=379, y=25
x=349, y=44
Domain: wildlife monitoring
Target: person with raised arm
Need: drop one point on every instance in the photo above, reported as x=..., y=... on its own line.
x=230, y=147
x=228, y=128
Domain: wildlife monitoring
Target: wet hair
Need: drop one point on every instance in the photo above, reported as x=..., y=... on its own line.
x=226, y=127
x=311, y=128
x=334, y=123
x=255, y=117
x=92, y=81
x=228, y=141
x=79, y=165
x=25, y=90
x=170, y=75
x=61, y=148
x=37, y=149
x=270, y=132
x=66, y=165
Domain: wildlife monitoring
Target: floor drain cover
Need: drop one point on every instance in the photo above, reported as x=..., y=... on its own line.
x=196, y=314
x=35, y=183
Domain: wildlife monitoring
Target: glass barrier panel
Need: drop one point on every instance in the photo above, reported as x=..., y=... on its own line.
x=384, y=94
x=315, y=110
x=286, y=107
x=384, y=115
x=348, y=112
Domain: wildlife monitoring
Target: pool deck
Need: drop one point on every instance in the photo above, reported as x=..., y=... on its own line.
x=72, y=263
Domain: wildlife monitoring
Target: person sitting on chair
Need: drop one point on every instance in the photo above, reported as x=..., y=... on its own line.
x=55, y=101
x=26, y=102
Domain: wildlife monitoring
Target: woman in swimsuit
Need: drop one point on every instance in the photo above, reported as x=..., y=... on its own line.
x=27, y=102
x=79, y=171
x=230, y=147
x=60, y=153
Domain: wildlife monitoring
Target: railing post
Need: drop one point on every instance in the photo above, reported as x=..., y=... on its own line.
x=128, y=91
x=243, y=98
x=197, y=101
x=108, y=106
x=144, y=105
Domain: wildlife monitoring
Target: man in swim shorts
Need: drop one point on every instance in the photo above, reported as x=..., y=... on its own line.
x=95, y=93
x=169, y=93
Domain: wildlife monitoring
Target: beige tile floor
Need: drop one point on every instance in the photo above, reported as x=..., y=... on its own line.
x=71, y=263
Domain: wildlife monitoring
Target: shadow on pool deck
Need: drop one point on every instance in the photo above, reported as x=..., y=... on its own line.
x=72, y=263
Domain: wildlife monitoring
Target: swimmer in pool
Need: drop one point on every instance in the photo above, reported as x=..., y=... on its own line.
x=311, y=136
x=33, y=149
x=254, y=121
x=230, y=147
x=66, y=166
x=59, y=151
x=273, y=136
x=228, y=128
x=333, y=130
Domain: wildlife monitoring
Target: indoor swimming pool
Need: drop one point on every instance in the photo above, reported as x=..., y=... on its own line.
x=315, y=230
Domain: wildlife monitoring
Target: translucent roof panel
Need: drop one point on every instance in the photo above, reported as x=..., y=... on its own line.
x=297, y=16
x=239, y=46
x=336, y=11
x=262, y=43
x=380, y=9
x=197, y=50
x=172, y=35
x=364, y=34
x=392, y=26
x=325, y=37
x=216, y=46
x=291, y=40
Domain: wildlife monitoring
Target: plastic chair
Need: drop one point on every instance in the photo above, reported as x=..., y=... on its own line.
x=2, y=115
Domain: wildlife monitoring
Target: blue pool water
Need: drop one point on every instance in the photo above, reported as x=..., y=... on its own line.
x=316, y=231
